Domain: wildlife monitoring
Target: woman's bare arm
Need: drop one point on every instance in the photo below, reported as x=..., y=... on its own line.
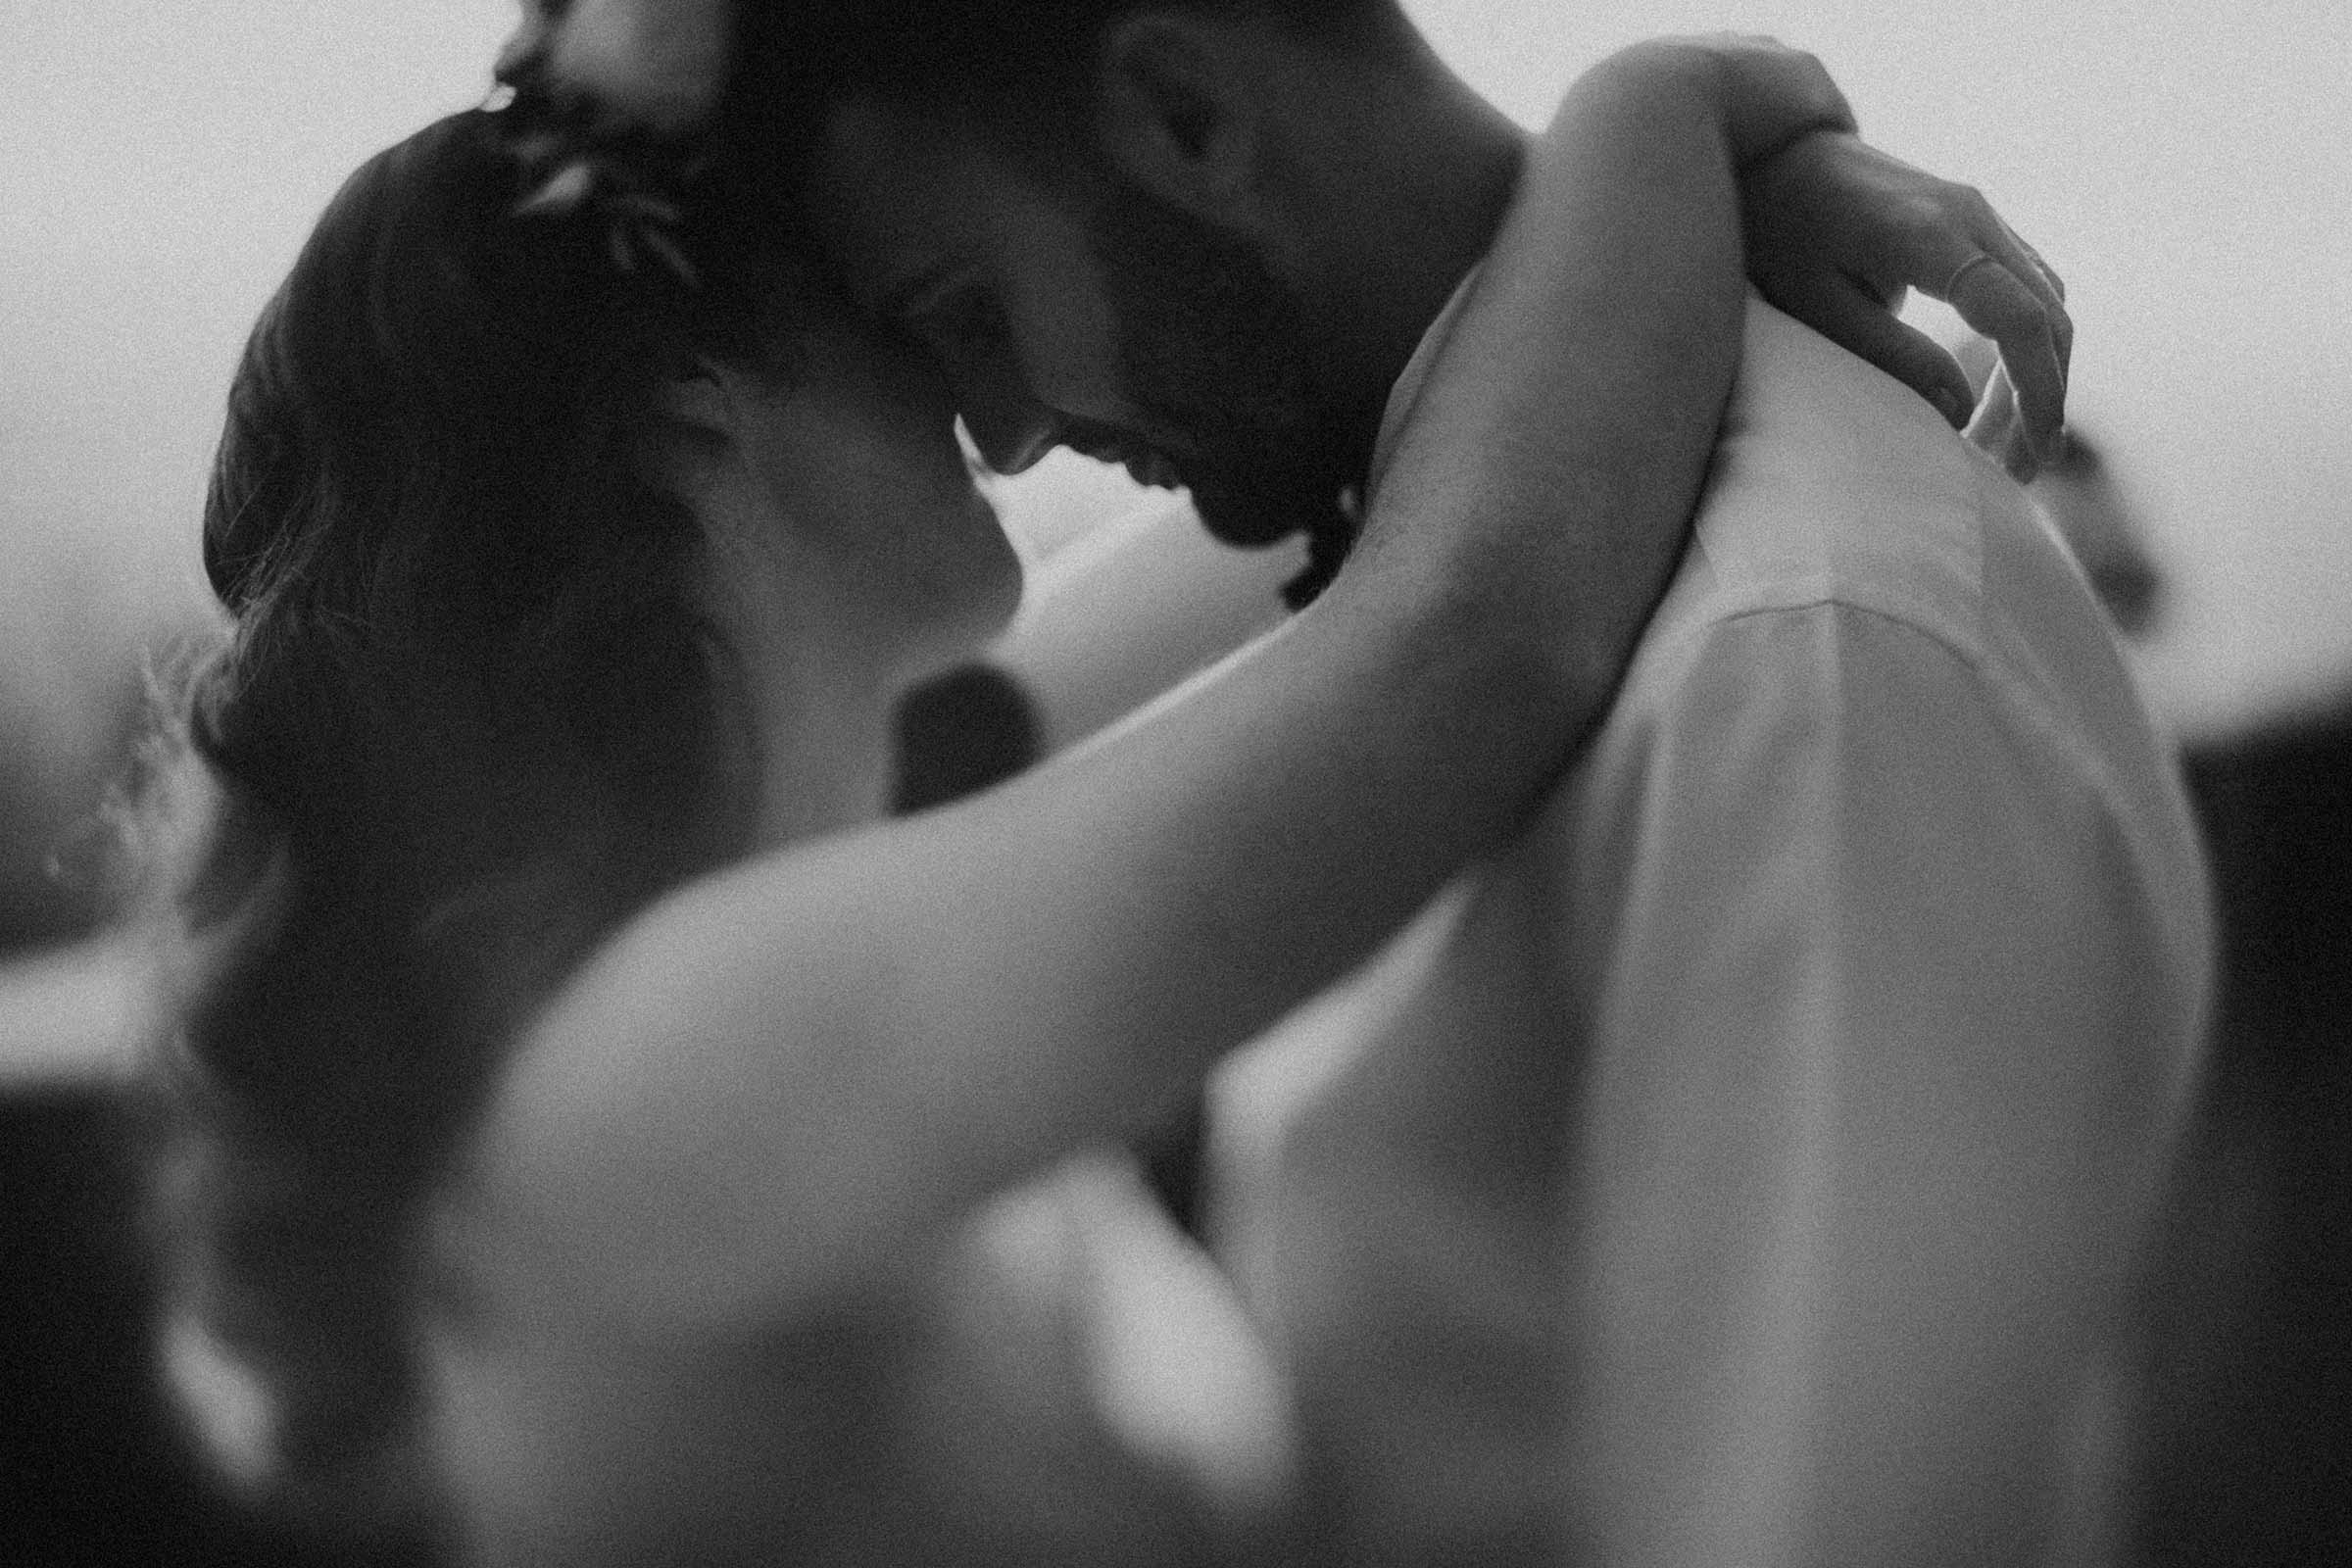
x=780, y=1075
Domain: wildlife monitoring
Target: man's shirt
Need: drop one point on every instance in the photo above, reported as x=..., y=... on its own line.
x=1742, y=1167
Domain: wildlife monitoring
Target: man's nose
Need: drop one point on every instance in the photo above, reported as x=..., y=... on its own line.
x=1012, y=429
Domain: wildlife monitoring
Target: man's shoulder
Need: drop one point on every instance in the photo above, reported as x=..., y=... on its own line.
x=1833, y=482
x=1835, y=487
x=1859, y=573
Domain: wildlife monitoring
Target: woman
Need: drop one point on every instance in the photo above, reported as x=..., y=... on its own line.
x=582, y=1115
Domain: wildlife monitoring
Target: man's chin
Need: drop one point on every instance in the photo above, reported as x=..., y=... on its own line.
x=1255, y=518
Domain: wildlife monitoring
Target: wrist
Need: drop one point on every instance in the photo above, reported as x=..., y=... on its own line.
x=1765, y=97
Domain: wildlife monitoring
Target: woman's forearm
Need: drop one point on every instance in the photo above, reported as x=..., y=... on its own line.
x=1580, y=395
x=1766, y=95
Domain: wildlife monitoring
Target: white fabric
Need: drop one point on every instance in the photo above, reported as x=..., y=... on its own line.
x=1741, y=1168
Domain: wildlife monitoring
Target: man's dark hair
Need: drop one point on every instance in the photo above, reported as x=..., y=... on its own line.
x=1021, y=72
x=1018, y=68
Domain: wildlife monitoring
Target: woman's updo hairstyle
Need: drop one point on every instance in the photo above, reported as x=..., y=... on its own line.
x=464, y=724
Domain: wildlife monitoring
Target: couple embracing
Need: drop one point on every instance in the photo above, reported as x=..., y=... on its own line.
x=1746, y=927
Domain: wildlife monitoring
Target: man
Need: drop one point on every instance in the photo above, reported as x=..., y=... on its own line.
x=1738, y=1171
x=1741, y=1169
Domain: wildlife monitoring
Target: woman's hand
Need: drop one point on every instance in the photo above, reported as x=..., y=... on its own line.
x=1837, y=230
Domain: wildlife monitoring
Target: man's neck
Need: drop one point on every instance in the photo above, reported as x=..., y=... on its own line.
x=1411, y=175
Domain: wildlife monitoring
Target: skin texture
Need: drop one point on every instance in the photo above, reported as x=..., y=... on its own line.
x=852, y=556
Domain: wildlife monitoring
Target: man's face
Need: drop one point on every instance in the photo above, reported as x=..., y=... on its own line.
x=1092, y=316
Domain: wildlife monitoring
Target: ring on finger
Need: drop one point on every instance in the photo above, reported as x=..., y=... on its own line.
x=1952, y=284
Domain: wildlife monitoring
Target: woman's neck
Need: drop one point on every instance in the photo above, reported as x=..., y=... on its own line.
x=822, y=742
x=812, y=696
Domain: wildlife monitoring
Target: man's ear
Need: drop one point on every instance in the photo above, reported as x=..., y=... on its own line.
x=1175, y=116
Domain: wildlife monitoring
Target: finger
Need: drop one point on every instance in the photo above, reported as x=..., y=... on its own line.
x=2049, y=272
x=1997, y=431
x=1982, y=232
x=2041, y=265
x=2003, y=246
x=2039, y=275
x=1991, y=234
x=1997, y=410
x=2018, y=456
x=1848, y=312
x=1995, y=302
x=2060, y=324
x=2025, y=262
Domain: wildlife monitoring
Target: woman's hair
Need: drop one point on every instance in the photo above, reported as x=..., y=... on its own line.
x=465, y=722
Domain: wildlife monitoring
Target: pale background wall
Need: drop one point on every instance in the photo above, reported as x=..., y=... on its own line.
x=2185, y=165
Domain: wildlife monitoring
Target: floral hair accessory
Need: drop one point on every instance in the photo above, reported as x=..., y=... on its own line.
x=604, y=99
x=627, y=183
